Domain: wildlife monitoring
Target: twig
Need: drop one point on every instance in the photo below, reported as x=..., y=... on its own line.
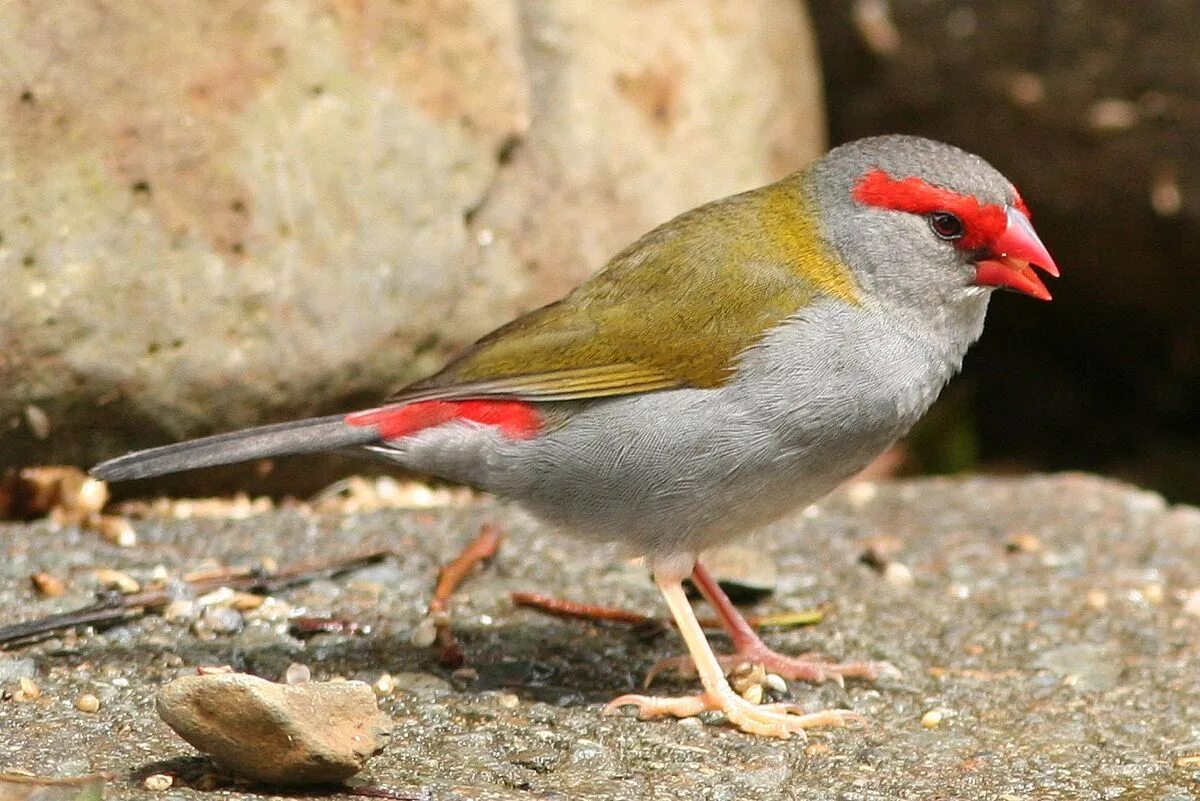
x=113, y=608
x=560, y=607
x=480, y=549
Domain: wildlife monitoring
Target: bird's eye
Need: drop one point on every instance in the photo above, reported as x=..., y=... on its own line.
x=946, y=225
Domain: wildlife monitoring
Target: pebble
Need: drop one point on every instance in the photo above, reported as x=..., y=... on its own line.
x=898, y=574
x=157, y=782
x=47, y=585
x=1022, y=542
x=424, y=634
x=385, y=684
x=87, y=703
x=932, y=719
x=1154, y=594
x=313, y=733
x=1098, y=599
x=297, y=673
x=116, y=580
x=27, y=690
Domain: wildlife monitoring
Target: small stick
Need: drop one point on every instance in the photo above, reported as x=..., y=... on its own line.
x=560, y=607
x=114, y=608
x=480, y=549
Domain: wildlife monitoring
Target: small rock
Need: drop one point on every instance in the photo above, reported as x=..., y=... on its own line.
x=424, y=634
x=746, y=574
x=898, y=574
x=1022, y=542
x=1098, y=599
x=312, y=733
x=47, y=585
x=297, y=673
x=27, y=690
x=116, y=580
x=157, y=782
x=88, y=703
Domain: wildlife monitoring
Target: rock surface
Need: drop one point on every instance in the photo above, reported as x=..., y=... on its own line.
x=295, y=206
x=312, y=733
x=1048, y=645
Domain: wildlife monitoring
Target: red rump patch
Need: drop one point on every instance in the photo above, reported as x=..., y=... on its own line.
x=514, y=419
x=982, y=223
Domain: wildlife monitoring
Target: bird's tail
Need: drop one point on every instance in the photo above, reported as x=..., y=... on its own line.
x=299, y=436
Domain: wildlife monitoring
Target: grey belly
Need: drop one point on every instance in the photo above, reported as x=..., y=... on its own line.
x=680, y=470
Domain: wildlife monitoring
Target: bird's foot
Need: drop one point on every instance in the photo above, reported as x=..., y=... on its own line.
x=811, y=667
x=771, y=720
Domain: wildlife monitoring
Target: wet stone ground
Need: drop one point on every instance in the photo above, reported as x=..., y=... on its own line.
x=1054, y=623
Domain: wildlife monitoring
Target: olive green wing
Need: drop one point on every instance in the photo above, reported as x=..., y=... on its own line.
x=675, y=309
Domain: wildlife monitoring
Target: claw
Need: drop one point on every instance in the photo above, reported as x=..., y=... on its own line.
x=774, y=720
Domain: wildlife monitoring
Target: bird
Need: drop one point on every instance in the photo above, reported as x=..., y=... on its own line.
x=732, y=365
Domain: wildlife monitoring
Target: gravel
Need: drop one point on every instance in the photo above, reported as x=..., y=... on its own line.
x=1065, y=670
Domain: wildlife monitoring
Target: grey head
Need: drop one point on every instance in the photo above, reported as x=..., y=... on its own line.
x=914, y=220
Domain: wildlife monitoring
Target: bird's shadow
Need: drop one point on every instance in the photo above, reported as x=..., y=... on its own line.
x=564, y=663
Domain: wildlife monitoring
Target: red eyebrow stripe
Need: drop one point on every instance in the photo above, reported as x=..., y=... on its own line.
x=983, y=223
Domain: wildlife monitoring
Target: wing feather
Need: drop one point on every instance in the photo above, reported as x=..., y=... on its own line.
x=675, y=309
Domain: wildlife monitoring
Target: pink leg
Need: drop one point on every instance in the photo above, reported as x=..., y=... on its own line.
x=749, y=647
x=772, y=720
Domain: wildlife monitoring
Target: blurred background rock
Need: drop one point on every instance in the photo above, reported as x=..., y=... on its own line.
x=214, y=215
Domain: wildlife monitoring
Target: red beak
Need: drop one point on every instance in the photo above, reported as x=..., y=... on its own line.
x=1014, y=254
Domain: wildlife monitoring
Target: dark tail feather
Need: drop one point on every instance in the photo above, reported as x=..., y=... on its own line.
x=300, y=436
